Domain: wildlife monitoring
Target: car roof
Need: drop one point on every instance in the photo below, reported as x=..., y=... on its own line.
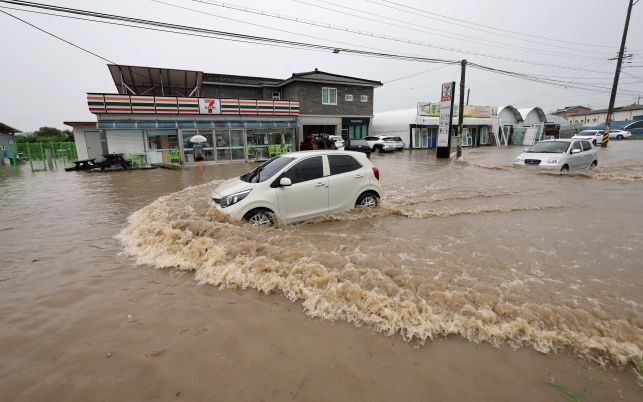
x=559, y=140
x=315, y=152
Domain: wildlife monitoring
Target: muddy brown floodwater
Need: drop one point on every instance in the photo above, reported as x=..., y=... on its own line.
x=473, y=281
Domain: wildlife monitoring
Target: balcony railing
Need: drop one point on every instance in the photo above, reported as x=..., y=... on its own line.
x=108, y=103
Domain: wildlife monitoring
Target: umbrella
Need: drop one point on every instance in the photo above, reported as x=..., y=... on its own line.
x=198, y=138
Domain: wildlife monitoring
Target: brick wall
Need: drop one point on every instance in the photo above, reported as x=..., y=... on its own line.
x=309, y=95
x=229, y=91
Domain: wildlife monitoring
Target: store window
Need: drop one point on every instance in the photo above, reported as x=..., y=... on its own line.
x=329, y=96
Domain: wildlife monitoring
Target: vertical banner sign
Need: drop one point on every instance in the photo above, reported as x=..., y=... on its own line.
x=444, y=127
x=209, y=106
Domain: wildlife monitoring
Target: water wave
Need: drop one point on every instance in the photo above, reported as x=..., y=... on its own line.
x=345, y=283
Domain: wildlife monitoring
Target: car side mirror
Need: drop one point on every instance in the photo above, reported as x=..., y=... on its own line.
x=285, y=182
x=575, y=151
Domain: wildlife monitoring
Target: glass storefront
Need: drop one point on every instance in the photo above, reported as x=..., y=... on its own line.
x=263, y=143
x=161, y=146
x=208, y=146
x=424, y=137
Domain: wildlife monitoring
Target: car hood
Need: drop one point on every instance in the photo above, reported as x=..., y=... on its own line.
x=233, y=186
x=537, y=155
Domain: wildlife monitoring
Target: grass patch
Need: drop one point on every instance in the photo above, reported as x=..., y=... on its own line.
x=567, y=393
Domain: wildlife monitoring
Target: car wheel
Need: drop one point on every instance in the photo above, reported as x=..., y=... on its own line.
x=260, y=217
x=565, y=168
x=619, y=137
x=593, y=165
x=594, y=142
x=368, y=199
x=377, y=149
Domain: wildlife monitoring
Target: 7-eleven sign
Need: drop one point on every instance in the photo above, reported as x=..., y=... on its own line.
x=209, y=106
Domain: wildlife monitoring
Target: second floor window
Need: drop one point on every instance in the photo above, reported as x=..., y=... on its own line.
x=363, y=98
x=329, y=96
x=348, y=98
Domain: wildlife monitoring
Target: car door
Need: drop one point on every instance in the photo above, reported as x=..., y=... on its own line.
x=308, y=195
x=345, y=181
x=588, y=157
x=575, y=159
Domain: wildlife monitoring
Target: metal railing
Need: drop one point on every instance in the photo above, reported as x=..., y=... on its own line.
x=35, y=153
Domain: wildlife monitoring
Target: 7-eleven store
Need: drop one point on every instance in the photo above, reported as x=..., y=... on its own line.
x=160, y=127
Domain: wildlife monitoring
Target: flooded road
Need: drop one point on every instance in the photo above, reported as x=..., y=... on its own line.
x=472, y=281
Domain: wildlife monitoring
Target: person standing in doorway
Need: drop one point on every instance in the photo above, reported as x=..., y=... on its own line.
x=197, y=153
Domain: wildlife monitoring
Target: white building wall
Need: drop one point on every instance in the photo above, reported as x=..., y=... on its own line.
x=125, y=141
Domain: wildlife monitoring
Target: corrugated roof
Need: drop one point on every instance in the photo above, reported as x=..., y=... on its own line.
x=616, y=109
x=240, y=80
x=4, y=129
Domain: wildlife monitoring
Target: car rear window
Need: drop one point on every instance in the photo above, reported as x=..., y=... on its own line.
x=342, y=164
x=586, y=145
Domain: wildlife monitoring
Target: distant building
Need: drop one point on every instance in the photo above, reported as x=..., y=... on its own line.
x=7, y=135
x=599, y=116
x=156, y=111
x=569, y=110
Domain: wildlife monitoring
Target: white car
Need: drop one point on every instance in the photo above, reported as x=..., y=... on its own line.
x=560, y=155
x=338, y=140
x=296, y=186
x=596, y=136
x=383, y=143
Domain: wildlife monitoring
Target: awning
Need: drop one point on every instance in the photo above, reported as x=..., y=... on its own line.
x=192, y=124
x=133, y=80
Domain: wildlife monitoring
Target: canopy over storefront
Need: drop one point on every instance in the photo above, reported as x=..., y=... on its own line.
x=152, y=81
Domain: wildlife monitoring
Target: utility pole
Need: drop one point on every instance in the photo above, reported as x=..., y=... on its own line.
x=468, y=93
x=463, y=69
x=610, y=109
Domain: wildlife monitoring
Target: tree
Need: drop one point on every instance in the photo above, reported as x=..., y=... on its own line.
x=47, y=134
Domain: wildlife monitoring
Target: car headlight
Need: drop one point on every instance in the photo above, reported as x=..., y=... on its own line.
x=552, y=160
x=234, y=198
x=517, y=160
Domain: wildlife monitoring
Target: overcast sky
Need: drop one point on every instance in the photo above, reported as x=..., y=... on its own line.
x=43, y=81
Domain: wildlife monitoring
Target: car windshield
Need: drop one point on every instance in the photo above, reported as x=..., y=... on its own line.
x=267, y=169
x=550, y=147
x=359, y=143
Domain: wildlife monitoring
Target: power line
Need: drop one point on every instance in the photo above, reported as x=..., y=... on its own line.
x=59, y=38
x=451, y=49
x=215, y=34
x=469, y=23
x=450, y=35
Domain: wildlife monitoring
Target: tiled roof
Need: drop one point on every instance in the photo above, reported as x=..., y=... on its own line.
x=316, y=75
x=322, y=76
x=241, y=80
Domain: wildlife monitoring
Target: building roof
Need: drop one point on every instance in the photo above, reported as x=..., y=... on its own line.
x=616, y=109
x=566, y=108
x=312, y=76
x=155, y=81
x=240, y=80
x=79, y=123
x=525, y=111
x=322, y=76
x=4, y=129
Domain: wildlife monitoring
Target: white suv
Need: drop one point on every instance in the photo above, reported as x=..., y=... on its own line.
x=384, y=143
x=296, y=186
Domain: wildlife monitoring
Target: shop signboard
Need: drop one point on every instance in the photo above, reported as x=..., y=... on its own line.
x=433, y=110
x=209, y=106
x=446, y=111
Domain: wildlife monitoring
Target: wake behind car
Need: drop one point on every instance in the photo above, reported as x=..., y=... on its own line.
x=559, y=155
x=297, y=186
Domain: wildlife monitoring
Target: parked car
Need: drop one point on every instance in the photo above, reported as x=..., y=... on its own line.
x=596, y=136
x=296, y=186
x=383, y=143
x=338, y=140
x=357, y=145
x=635, y=127
x=560, y=155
